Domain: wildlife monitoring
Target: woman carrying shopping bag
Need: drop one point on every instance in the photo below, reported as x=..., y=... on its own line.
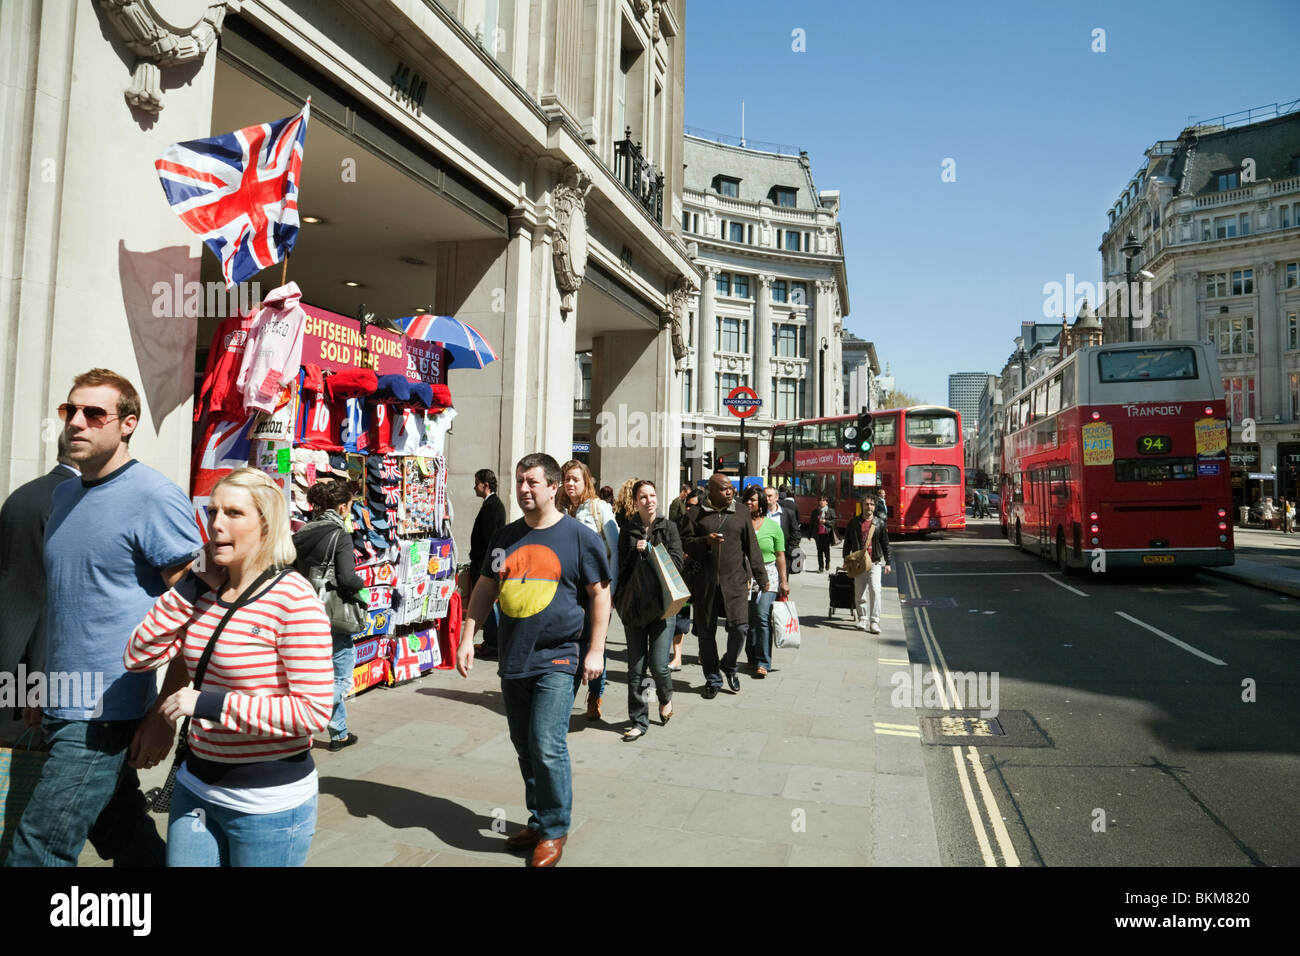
x=578, y=499
x=649, y=636
x=257, y=643
x=771, y=542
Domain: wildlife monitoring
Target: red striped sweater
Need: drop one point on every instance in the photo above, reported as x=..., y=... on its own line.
x=271, y=668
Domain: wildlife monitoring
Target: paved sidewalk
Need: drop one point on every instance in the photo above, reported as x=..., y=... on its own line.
x=794, y=770
x=1280, y=578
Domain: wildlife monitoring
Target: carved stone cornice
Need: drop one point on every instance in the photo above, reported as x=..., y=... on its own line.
x=671, y=317
x=570, y=239
x=184, y=34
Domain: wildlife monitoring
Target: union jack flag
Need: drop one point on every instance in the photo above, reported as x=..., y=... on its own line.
x=239, y=192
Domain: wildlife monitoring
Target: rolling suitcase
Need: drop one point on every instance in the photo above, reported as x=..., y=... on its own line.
x=841, y=588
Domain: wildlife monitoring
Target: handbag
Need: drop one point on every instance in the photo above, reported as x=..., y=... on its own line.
x=159, y=799
x=347, y=615
x=785, y=624
x=857, y=562
x=20, y=771
x=675, y=592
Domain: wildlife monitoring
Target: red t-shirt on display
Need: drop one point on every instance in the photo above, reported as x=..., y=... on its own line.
x=218, y=394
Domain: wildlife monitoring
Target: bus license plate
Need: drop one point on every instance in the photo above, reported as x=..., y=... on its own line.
x=1157, y=559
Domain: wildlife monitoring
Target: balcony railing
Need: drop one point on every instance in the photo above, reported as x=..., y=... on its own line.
x=582, y=406
x=638, y=176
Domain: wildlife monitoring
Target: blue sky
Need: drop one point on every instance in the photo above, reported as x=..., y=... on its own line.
x=1044, y=132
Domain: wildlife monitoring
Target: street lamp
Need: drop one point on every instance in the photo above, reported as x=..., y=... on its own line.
x=1130, y=249
x=821, y=379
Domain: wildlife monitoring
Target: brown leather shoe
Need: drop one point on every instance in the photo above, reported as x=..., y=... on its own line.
x=548, y=852
x=593, y=707
x=525, y=839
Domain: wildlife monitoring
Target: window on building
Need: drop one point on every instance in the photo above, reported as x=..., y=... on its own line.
x=1235, y=334
x=1225, y=227
x=722, y=284
x=1292, y=341
x=737, y=232
x=1206, y=233
x=727, y=186
x=740, y=287
x=1284, y=216
x=1244, y=223
x=785, y=196
x=726, y=381
x=799, y=293
x=733, y=335
x=688, y=391
x=778, y=290
x=1229, y=179
x=1294, y=381
x=1292, y=275
x=686, y=221
x=1243, y=281
x=792, y=240
x=1216, y=284
x=787, y=398
x=785, y=341
x=1239, y=394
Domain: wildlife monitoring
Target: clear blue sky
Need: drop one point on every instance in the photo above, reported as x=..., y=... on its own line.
x=1044, y=132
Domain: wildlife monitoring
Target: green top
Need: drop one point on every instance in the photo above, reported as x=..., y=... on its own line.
x=771, y=540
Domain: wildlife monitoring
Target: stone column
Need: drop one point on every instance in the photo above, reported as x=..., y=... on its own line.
x=763, y=348
x=1271, y=382
x=1185, y=320
x=632, y=425
x=704, y=365
x=822, y=396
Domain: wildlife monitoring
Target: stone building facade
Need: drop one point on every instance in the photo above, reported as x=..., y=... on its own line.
x=513, y=163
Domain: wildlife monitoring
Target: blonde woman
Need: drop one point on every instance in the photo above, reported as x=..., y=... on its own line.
x=625, y=505
x=578, y=499
x=257, y=644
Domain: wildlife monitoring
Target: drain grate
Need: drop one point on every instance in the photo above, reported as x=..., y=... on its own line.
x=960, y=728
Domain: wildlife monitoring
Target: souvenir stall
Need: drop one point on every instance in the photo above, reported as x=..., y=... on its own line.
x=309, y=395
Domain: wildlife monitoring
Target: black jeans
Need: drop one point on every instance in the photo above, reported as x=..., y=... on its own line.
x=824, y=551
x=737, y=636
x=648, y=648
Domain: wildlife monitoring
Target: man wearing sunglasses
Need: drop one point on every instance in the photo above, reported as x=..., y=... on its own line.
x=115, y=541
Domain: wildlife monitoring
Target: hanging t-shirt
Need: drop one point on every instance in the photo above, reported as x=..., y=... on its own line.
x=435, y=432
x=355, y=437
x=274, y=349
x=218, y=394
x=543, y=581
x=319, y=424
x=408, y=435
x=379, y=428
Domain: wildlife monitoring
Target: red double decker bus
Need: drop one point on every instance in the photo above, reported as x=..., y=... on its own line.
x=918, y=459
x=1121, y=452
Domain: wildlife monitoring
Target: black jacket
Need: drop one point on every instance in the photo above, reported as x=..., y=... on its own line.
x=879, y=540
x=789, y=523
x=491, y=519
x=314, y=542
x=662, y=531
x=22, y=570
x=727, y=569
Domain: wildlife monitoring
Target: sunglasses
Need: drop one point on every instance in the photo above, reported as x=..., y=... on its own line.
x=96, y=417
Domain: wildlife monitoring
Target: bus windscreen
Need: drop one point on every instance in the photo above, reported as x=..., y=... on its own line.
x=1146, y=365
x=931, y=429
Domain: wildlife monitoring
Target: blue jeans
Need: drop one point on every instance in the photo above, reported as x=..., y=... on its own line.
x=200, y=833
x=345, y=661
x=537, y=710
x=758, y=647
x=649, y=645
x=595, y=688
x=87, y=791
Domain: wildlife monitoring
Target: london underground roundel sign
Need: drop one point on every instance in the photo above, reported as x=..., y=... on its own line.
x=743, y=401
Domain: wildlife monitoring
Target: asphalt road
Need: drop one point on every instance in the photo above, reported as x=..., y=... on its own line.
x=1129, y=739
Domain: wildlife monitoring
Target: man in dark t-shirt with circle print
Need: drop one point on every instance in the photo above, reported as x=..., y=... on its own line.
x=546, y=572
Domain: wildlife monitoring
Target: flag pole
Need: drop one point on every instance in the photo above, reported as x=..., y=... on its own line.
x=284, y=270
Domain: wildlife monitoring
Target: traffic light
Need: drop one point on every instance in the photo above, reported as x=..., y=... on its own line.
x=849, y=439
x=866, y=434
x=707, y=460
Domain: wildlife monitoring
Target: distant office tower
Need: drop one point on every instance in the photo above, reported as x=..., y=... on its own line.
x=964, y=390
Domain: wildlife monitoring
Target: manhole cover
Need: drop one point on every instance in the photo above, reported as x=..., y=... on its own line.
x=960, y=728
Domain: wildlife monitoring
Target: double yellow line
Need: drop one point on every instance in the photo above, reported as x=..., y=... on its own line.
x=950, y=699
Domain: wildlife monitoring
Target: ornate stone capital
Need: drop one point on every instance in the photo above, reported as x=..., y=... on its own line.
x=826, y=287
x=671, y=317
x=766, y=280
x=710, y=272
x=570, y=240
x=184, y=33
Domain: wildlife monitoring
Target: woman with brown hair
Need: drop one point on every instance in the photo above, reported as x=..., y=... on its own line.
x=578, y=499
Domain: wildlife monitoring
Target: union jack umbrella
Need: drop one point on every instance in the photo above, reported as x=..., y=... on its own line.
x=468, y=347
x=239, y=192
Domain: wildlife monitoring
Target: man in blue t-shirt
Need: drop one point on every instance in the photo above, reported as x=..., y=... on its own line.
x=547, y=572
x=114, y=542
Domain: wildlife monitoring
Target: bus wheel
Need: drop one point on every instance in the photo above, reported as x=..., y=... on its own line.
x=1061, y=561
